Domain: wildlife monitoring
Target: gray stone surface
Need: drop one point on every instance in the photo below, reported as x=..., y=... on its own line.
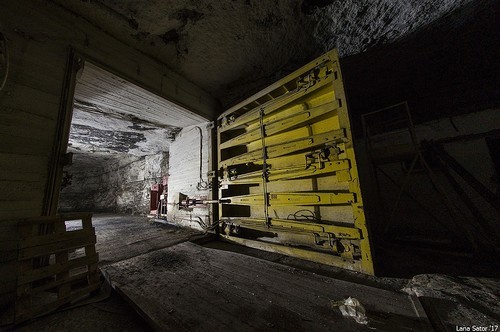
x=185, y=177
x=458, y=301
x=111, y=183
x=223, y=45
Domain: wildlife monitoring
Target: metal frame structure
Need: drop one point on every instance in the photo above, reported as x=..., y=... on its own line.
x=433, y=158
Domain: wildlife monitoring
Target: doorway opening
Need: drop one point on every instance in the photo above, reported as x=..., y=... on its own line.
x=119, y=152
x=119, y=139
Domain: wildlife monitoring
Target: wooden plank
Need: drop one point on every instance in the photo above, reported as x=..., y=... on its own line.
x=64, y=289
x=86, y=221
x=79, y=241
x=50, y=270
x=8, y=256
x=291, y=77
x=75, y=216
x=41, y=237
x=41, y=240
x=228, y=291
x=31, y=222
x=46, y=308
x=12, y=209
x=19, y=209
x=70, y=280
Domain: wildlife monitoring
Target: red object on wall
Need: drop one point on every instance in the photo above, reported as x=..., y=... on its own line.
x=156, y=191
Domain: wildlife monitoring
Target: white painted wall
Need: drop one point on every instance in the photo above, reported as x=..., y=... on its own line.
x=184, y=173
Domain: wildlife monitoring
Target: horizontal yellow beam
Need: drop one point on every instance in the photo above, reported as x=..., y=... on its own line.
x=323, y=258
x=293, y=198
x=290, y=173
x=280, y=124
x=282, y=149
x=341, y=232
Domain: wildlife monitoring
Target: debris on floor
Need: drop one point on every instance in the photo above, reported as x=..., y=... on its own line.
x=457, y=301
x=351, y=307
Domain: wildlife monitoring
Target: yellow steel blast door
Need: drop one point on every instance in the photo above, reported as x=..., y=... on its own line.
x=287, y=170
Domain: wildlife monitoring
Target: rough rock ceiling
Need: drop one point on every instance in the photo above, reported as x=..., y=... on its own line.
x=100, y=134
x=233, y=47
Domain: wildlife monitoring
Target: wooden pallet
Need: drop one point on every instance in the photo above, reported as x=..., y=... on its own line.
x=56, y=264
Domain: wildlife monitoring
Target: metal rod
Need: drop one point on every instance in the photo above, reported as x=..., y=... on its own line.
x=264, y=167
x=481, y=189
x=400, y=194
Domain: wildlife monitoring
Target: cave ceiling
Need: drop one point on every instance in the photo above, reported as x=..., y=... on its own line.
x=112, y=116
x=232, y=48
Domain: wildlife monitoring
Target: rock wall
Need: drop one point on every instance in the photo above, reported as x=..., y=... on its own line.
x=118, y=184
x=447, y=69
x=440, y=55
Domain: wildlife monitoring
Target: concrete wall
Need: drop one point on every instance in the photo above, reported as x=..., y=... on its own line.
x=40, y=35
x=120, y=184
x=184, y=174
x=472, y=153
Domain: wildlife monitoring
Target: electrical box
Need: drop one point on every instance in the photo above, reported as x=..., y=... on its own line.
x=288, y=179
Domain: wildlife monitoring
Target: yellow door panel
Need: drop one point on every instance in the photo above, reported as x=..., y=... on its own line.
x=288, y=174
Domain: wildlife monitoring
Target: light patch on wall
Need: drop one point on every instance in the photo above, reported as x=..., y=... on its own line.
x=105, y=90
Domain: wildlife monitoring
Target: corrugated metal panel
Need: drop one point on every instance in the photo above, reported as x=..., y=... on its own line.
x=288, y=170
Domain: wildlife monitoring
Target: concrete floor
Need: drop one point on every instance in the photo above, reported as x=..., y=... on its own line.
x=125, y=243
